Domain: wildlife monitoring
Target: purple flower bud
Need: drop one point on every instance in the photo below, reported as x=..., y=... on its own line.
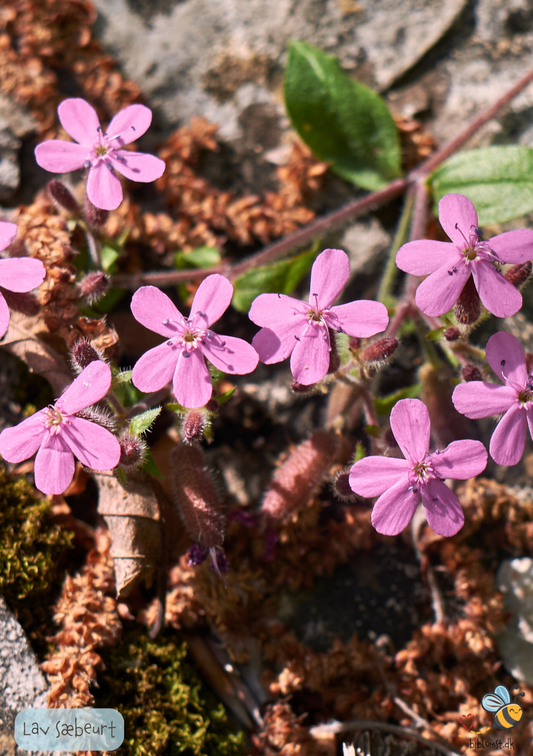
x=62, y=195
x=82, y=353
x=93, y=286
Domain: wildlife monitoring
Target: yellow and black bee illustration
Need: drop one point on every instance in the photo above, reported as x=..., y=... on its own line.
x=506, y=714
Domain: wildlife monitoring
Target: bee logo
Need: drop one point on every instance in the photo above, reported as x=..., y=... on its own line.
x=506, y=714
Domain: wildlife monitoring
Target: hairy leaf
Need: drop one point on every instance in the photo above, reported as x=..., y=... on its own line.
x=140, y=423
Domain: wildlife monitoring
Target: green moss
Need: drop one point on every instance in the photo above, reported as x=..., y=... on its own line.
x=30, y=548
x=166, y=708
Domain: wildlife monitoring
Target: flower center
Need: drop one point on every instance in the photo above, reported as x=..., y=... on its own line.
x=54, y=420
x=526, y=395
x=101, y=150
x=192, y=337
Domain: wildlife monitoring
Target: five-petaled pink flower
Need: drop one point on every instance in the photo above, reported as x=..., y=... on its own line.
x=55, y=433
x=401, y=483
x=515, y=398
x=449, y=265
x=181, y=359
x=16, y=273
x=100, y=152
x=301, y=329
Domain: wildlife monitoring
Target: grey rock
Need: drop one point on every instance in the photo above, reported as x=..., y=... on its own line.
x=365, y=244
x=15, y=124
x=515, y=642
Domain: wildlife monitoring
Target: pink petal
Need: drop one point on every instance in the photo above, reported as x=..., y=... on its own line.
x=479, y=399
x=271, y=310
x=498, y=295
x=87, y=388
x=54, y=465
x=79, y=120
x=151, y=307
x=509, y=439
x=192, y=382
x=138, y=166
x=230, y=354
x=22, y=441
x=8, y=231
x=460, y=460
x=409, y=422
x=130, y=123
x=503, y=347
x=372, y=476
x=212, y=298
x=394, y=509
x=441, y=290
x=362, y=318
x=329, y=274
x=275, y=346
x=103, y=187
x=59, y=156
x=93, y=445
x=422, y=257
x=444, y=513
x=513, y=246
x=21, y=273
x=155, y=368
x=457, y=216
x=4, y=315
x=310, y=356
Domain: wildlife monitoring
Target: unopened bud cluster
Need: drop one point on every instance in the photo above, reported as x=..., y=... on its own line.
x=82, y=354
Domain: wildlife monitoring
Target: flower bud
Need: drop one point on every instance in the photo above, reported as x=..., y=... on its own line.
x=518, y=274
x=132, y=451
x=341, y=486
x=94, y=216
x=93, y=286
x=194, y=425
x=452, y=334
x=22, y=301
x=471, y=373
x=61, y=195
x=334, y=359
x=98, y=416
x=300, y=388
x=380, y=350
x=468, y=307
x=82, y=353
x=354, y=343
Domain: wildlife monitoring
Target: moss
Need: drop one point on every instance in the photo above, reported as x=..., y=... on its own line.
x=30, y=548
x=166, y=708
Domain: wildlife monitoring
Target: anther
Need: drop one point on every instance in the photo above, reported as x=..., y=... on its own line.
x=296, y=337
x=170, y=343
x=502, y=363
x=87, y=164
x=185, y=353
x=98, y=128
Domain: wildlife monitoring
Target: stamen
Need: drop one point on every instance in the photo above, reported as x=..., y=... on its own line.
x=452, y=271
x=296, y=337
x=185, y=353
x=502, y=363
x=98, y=128
x=170, y=343
x=458, y=229
x=87, y=164
x=108, y=165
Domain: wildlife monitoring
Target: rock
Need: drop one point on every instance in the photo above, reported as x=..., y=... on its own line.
x=15, y=124
x=515, y=642
x=366, y=244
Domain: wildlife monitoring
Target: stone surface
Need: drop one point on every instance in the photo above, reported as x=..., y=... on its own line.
x=15, y=124
x=515, y=581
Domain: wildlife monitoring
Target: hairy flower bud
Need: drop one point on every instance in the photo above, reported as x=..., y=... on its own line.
x=452, y=334
x=341, y=486
x=22, y=301
x=82, y=353
x=468, y=307
x=299, y=388
x=94, y=216
x=334, y=359
x=380, y=350
x=93, y=286
x=471, y=373
x=62, y=195
x=98, y=416
x=518, y=274
x=354, y=343
x=194, y=425
x=133, y=451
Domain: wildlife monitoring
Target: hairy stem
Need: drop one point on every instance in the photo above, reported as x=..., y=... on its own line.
x=389, y=275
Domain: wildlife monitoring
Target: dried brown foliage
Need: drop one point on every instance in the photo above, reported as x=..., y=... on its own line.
x=283, y=733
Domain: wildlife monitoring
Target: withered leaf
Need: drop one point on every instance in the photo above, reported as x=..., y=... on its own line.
x=132, y=517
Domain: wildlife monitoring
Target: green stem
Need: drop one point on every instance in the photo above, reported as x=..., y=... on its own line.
x=389, y=275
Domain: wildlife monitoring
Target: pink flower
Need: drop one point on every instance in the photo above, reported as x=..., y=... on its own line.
x=515, y=398
x=181, y=359
x=448, y=266
x=100, y=152
x=300, y=329
x=16, y=273
x=401, y=483
x=55, y=433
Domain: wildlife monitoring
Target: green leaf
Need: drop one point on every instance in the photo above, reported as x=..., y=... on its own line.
x=373, y=430
x=359, y=452
x=201, y=257
x=282, y=277
x=436, y=334
x=176, y=407
x=140, y=423
x=223, y=398
x=384, y=404
x=343, y=121
x=124, y=376
x=108, y=257
x=498, y=180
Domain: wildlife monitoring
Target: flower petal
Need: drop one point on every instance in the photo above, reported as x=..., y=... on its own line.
x=372, y=476
x=443, y=510
x=138, y=166
x=8, y=231
x=509, y=439
x=22, y=441
x=151, y=307
x=87, y=388
x=93, y=445
x=230, y=354
x=21, y=273
x=275, y=346
x=192, y=382
x=441, y=290
x=505, y=348
x=4, y=315
x=409, y=422
x=329, y=275
x=498, y=295
x=460, y=460
x=155, y=368
x=211, y=300
x=424, y=256
x=362, y=318
x=54, y=465
x=104, y=189
x=310, y=356
x=513, y=246
x=457, y=216
x=59, y=156
x=129, y=124
x=271, y=310
x=394, y=509
x=79, y=119
x=479, y=399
